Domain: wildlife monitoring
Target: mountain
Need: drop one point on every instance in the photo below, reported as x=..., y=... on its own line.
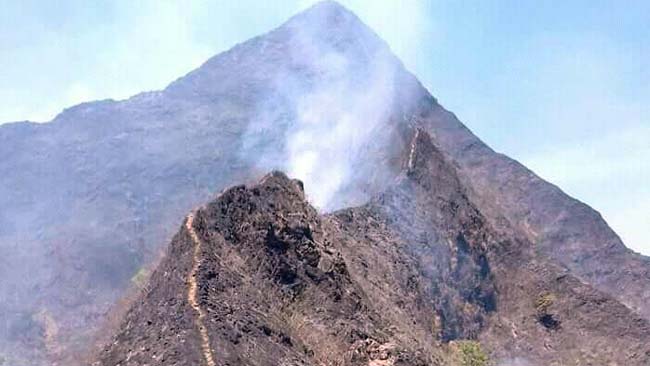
x=415, y=277
x=90, y=198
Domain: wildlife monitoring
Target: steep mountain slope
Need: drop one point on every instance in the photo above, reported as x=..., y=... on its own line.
x=258, y=277
x=573, y=234
x=90, y=197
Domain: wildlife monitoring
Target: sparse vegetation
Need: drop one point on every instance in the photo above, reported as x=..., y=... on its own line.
x=140, y=278
x=543, y=302
x=469, y=353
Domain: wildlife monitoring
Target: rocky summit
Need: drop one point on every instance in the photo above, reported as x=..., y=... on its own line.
x=425, y=246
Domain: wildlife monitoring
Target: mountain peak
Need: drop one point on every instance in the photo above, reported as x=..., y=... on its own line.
x=331, y=21
x=324, y=34
x=327, y=8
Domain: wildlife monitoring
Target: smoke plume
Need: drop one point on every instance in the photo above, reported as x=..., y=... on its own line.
x=335, y=98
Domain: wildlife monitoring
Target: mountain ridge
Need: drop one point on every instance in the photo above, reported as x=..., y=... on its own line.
x=423, y=269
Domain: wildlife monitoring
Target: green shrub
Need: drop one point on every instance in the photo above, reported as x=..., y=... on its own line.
x=471, y=354
x=544, y=302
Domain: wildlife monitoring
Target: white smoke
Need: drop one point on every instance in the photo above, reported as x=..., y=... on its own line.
x=339, y=93
x=334, y=122
x=517, y=361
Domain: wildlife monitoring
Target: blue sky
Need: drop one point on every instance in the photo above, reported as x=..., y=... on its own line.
x=564, y=87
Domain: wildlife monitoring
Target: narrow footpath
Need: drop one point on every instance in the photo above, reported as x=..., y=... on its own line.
x=192, y=295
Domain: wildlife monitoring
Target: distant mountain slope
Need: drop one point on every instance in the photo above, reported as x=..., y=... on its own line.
x=258, y=277
x=89, y=198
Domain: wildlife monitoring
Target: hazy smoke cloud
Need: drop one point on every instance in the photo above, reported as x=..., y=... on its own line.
x=338, y=96
x=335, y=120
x=518, y=361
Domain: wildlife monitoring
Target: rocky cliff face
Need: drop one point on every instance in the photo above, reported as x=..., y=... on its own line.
x=91, y=197
x=415, y=277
